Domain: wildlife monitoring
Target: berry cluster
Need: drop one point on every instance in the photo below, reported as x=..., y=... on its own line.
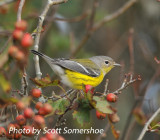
x=29, y=119
x=110, y=97
x=21, y=42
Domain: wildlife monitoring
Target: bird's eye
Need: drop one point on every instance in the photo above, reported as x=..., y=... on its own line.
x=107, y=62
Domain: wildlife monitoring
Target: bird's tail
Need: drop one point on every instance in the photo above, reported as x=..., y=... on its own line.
x=41, y=54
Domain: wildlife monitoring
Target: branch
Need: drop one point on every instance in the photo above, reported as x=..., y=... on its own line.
x=145, y=129
x=114, y=15
x=38, y=32
x=89, y=30
x=126, y=83
x=19, y=13
x=106, y=19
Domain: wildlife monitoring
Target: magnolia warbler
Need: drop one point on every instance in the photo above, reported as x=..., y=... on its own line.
x=76, y=73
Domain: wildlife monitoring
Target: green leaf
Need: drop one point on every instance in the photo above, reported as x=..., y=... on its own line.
x=4, y=83
x=101, y=105
x=60, y=105
x=82, y=115
x=45, y=82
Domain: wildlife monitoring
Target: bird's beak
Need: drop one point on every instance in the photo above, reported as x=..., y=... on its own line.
x=116, y=64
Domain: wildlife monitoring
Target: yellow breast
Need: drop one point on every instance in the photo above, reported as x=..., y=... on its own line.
x=78, y=79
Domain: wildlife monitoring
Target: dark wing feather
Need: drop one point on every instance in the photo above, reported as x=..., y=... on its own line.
x=79, y=65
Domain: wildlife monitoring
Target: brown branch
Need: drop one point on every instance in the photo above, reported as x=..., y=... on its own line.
x=89, y=29
x=106, y=19
x=145, y=129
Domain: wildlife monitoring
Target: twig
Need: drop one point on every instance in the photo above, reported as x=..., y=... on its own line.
x=6, y=2
x=106, y=86
x=68, y=108
x=145, y=129
x=106, y=19
x=75, y=19
x=126, y=84
x=38, y=33
x=131, y=50
x=89, y=31
x=19, y=13
x=114, y=15
x=5, y=45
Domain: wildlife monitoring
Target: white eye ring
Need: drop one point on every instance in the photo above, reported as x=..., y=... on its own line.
x=107, y=62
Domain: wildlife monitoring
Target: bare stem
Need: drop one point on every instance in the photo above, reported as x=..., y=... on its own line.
x=19, y=13
x=126, y=84
x=145, y=129
x=38, y=32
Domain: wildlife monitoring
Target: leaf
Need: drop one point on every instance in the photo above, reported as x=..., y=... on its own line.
x=45, y=82
x=4, y=83
x=6, y=100
x=60, y=105
x=82, y=115
x=101, y=105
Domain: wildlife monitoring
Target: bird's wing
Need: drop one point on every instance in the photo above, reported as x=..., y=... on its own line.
x=84, y=66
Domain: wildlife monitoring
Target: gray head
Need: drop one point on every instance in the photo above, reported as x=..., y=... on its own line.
x=104, y=62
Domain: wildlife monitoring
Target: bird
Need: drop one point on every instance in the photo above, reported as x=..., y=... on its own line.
x=76, y=73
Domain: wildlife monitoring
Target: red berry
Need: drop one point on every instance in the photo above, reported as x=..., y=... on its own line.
x=12, y=51
x=100, y=115
x=60, y=138
x=43, y=138
x=28, y=130
x=17, y=135
x=28, y=113
x=89, y=88
x=21, y=25
x=2, y=131
x=36, y=92
x=39, y=121
x=17, y=34
x=10, y=126
x=111, y=97
x=21, y=120
x=20, y=56
x=42, y=112
x=47, y=108
x=38, y=105
x=20, y=105
x=10, y=135
x=27, y=40
x=52, y=136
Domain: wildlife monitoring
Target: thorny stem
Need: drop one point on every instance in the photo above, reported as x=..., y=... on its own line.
x=145, y=129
